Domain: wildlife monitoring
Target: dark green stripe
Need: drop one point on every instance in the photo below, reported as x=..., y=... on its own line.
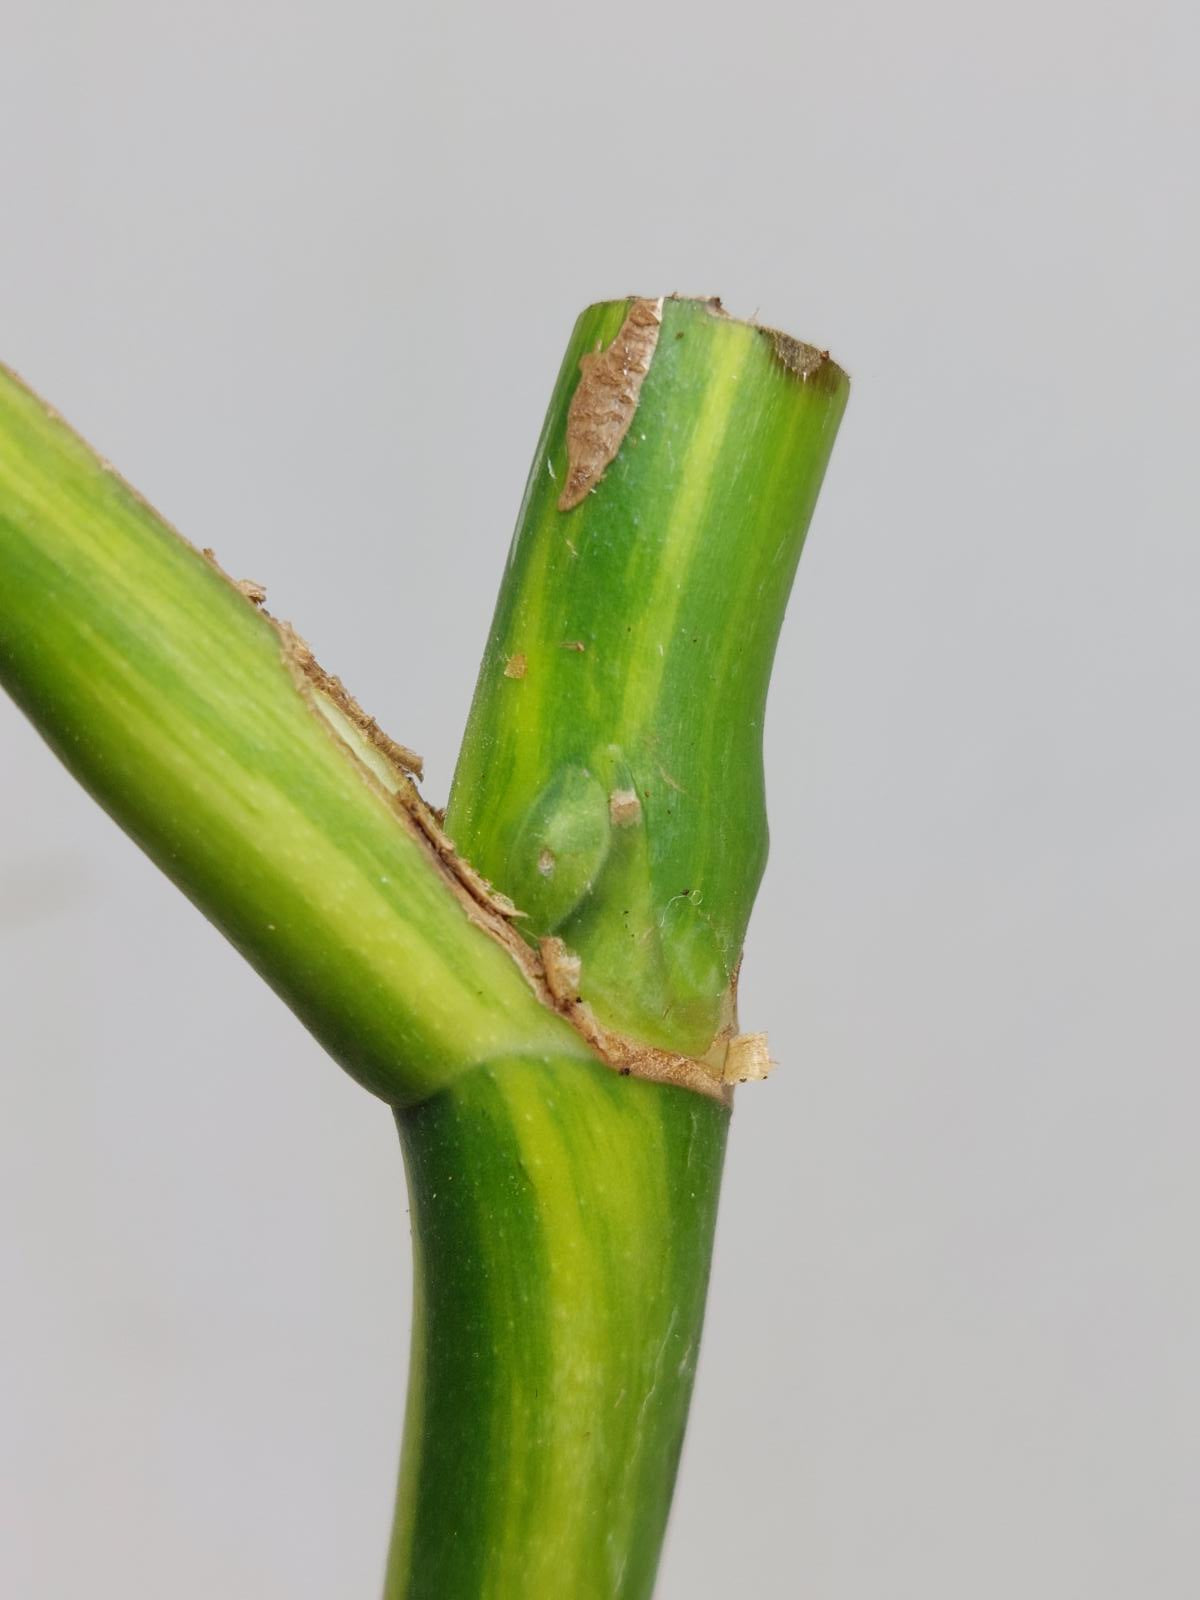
x=565, y=1219
x=673, y=574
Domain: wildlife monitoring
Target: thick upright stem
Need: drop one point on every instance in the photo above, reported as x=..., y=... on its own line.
x=611, y=775
x=611, y=782
x=562, y=1225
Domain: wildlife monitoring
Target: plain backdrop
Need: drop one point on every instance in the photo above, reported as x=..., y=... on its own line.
x=305, y=272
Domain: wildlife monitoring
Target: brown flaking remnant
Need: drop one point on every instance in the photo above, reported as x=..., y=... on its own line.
x=573, y=644
x=803, y=361
x=561, y=972
x=552, y=972
x=806, y=362
x=748, y=1059
x=624, y=808
x=490, y=911
x=406, y=761
x=303, y=663
x=606, y=398
x=486, y=907
x=464, y=874
x=515, y=666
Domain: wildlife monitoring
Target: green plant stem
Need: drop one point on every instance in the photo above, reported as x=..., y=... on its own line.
x=562, y=1226
x=646, y=619
x=610, y=782
x=565, y=1218
x=171, y=699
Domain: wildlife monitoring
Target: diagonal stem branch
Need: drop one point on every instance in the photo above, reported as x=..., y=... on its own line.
x=189, y=717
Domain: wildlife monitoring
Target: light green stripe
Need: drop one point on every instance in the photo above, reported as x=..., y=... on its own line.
x=685, y=531
x=166, y=693
x=685, y=553
x=582, y=1236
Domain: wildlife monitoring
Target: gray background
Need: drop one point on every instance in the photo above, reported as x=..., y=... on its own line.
x=304, y=272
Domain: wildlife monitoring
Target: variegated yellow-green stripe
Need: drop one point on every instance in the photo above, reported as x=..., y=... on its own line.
x=564, y=1220
x=610, y=781
x=167, y=695
x=646, y=620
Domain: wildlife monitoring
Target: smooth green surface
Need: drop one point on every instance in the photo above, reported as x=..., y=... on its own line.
x=165, y=693
x=562, y=1214
x=563, y=1221
x=673, y=574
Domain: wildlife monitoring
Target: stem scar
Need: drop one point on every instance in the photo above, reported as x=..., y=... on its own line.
x=606, y=398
